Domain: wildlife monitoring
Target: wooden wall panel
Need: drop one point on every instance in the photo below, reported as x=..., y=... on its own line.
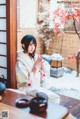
x=11, y=41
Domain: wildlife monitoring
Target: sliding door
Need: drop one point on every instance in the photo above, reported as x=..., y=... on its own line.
x=3, y=42
x=8, y=42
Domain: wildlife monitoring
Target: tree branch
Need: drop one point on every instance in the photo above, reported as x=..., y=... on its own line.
x=74, y=23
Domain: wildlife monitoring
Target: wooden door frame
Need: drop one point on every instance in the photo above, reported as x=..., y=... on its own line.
x=11, y=26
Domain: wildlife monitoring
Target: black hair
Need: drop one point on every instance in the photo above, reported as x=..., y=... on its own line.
x=26, y=41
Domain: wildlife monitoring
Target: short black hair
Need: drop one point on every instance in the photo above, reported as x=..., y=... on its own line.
x=26, y=41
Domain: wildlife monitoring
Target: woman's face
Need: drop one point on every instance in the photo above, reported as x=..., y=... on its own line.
x=31, y=47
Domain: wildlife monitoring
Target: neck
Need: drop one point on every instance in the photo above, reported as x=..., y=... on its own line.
x=30, y=55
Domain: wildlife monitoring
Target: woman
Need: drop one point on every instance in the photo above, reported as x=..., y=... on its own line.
x=30, y=67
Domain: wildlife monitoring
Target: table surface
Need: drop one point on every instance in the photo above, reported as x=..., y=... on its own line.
x=53, y=111
x=14, y=113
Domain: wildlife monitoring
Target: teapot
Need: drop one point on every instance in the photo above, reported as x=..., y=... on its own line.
x=2, y=87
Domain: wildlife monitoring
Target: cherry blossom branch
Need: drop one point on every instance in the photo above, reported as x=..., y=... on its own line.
x=74, y=23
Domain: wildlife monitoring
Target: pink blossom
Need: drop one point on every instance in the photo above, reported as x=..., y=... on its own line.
x=61, y=15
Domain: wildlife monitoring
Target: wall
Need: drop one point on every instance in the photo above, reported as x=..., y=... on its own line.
x=70, y=46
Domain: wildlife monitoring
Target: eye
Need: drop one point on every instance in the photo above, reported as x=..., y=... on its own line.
x=30, y=44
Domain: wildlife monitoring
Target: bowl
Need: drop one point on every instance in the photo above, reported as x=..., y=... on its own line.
x=38, y=104
x=22, y=102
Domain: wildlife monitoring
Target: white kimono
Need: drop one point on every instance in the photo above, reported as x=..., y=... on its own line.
x=24, y=75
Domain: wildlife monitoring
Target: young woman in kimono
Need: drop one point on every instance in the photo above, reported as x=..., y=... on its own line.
x=31, y=69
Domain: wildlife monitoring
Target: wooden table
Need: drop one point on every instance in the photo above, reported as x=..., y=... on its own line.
x=14, y=113
x=9, y=97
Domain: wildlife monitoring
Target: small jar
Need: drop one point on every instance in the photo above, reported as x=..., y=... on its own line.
x=38, y=105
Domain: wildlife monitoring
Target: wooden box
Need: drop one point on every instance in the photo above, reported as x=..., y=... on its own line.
x=56, y=63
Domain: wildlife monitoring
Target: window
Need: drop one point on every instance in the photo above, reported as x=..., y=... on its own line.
x=26, y=12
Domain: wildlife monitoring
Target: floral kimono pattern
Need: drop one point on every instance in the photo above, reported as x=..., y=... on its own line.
x=24, y=75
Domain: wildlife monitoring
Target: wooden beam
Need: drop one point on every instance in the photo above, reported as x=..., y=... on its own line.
x=11, y=16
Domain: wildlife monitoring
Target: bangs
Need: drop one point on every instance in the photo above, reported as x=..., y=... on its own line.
x=34, y=41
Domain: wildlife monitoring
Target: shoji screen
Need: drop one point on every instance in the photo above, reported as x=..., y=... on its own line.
x=8, y=44
x=3, y=43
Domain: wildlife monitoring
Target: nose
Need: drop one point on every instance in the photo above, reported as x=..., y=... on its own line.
x=33, y=46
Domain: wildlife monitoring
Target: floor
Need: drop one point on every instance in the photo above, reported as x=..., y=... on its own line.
x=68, y=84
x=68, y=87
x=73, y=105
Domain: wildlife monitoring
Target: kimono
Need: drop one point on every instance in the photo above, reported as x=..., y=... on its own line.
x=26, y=78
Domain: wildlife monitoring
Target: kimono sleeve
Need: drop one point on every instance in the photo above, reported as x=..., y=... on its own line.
x=46, y=68
x=23, y=76
x=46, y=82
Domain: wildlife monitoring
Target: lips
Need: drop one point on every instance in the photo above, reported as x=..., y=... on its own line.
x=32, y=50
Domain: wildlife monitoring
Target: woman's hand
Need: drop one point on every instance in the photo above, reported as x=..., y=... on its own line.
x=39, y=60
x=37, y=63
